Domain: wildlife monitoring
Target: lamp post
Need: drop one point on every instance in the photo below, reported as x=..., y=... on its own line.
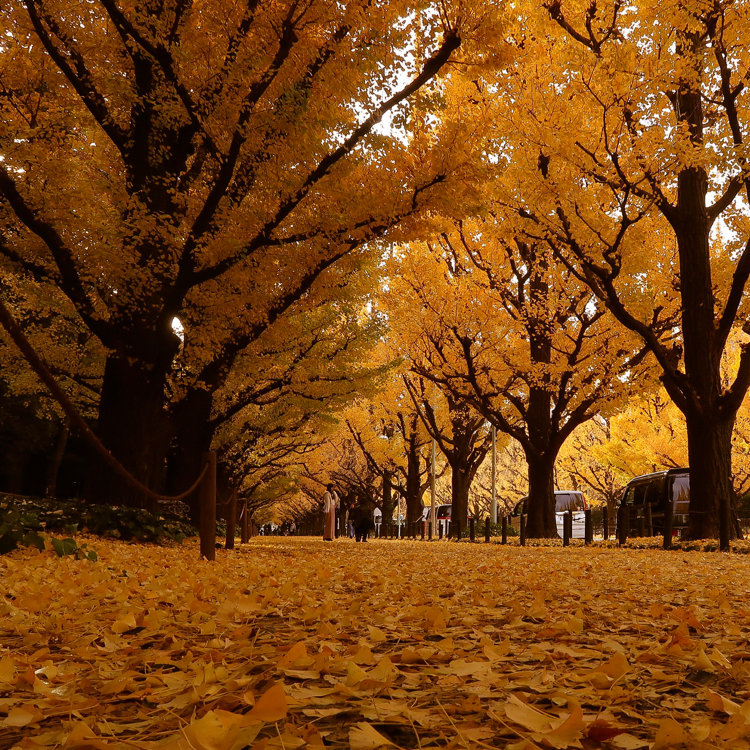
x=493, y=507
x=433, y=508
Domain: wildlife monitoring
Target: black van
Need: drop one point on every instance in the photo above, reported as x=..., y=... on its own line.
x=656, y=490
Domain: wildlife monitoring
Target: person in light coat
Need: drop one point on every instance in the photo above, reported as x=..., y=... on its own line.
x=330, y=503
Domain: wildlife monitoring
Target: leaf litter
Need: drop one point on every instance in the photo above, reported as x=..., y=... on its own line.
x=289, y=643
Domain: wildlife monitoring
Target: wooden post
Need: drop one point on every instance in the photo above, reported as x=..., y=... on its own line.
x=231, y=519
x=472, y=531
x=605, y=523
x=649, y=520
x=207, y=491
x=668, y=523
x=588, y=532
x=567, y=524
x=429, y=531
x=504, y=530
x=440, y=530
x=487, y=529
x=642, y=522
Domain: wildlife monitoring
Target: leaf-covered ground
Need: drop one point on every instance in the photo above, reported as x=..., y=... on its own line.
x=287, y=643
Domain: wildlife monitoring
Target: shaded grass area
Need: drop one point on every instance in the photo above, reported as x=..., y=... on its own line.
x=25, y=521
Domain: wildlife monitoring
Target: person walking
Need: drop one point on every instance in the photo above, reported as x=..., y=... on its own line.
x=330, y=503
x=363, y=518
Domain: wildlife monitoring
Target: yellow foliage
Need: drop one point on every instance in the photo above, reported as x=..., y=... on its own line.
x=527, y=663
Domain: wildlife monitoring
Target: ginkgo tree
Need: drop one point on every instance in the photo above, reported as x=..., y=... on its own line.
x=658, y=95
x=282, y=386
x=506, y=328
x=201, y=162
x=461, y=434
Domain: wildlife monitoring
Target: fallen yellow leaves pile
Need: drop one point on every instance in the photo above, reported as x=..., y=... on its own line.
x=290, y=643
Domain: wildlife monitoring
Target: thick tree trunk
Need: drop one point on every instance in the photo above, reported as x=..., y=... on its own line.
x=540, y=506
x=191, y=438
x=413, y=484
x=709, y=426
x=710, y=456
x=387, y=499
x=132, y=425
x=56, y=460
x=460, y=486
x=540, y=455
x=231, y=519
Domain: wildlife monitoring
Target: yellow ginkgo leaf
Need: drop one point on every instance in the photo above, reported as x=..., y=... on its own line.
x=529, y=718
x=7, y=669
x=364, y=736
x=22, y=716
x=271, y=706
x=125, y=623
x=670, y=734
x=569, y=732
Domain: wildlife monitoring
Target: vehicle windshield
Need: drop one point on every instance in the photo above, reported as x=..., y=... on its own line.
x=681, y=494
x=569, y=501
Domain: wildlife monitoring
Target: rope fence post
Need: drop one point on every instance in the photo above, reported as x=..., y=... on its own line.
x=208, y=508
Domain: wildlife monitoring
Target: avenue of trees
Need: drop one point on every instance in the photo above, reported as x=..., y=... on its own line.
x=319, y=237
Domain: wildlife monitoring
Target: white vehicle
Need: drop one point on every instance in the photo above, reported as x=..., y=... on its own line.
x=573, y=501
x=442, y=518
x=565, y=500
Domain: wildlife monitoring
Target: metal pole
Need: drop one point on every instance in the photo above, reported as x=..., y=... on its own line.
x=493, y=507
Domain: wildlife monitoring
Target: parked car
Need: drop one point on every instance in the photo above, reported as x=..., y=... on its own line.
x=565, y=500
x=656, y=490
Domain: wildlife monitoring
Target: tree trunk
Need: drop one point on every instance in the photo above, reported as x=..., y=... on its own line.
x=541, y=523
x=191, y=438
x=245, y=538
x=56, y=460
x=387, y=500
x=460, y=485
x=413, y=483
x=230, y=516
x=710, y=456
x=132, y=425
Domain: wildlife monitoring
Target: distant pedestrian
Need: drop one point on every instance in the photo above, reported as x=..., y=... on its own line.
x=363, y=518
x=330, y=503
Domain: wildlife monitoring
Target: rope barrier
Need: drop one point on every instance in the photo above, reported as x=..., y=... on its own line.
x=42, y=371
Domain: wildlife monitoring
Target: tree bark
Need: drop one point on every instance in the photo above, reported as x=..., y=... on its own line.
x=132, y=425
x=540, y=454
x=231, y=519
x=710, y=457
x=191, y=437
x=541, y=523
x=461, y=478
x=387, y=500
x=56, y=461
x=413, y=482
